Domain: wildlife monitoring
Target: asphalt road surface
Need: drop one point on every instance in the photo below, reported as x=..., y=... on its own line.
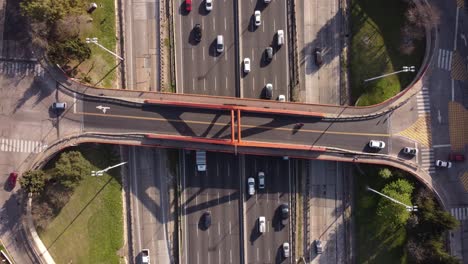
x=215, y=191
x=253, y=42
x=266, y=247
x=200, y=69
x=149, y=181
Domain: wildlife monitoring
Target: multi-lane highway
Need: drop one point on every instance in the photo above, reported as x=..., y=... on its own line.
x=266, y=247
x=203, y=70
x=253, y=42
x=217, y=191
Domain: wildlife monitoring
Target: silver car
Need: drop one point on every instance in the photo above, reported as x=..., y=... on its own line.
x=251, y=185
x=286, y=251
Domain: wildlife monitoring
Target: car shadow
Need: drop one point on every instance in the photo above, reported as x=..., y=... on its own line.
x=260, y=5
x=252, y=27
x=202, y=9
x=279, y=254
x=212, y=49
x=201, y=223
x=254, y=233
x=7, y=186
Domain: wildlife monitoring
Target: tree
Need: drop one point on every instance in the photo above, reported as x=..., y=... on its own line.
x=71, y=49
x=50, y=11
x=390, y=212
x=385, y=173
x=71, y=168
x=33, y=181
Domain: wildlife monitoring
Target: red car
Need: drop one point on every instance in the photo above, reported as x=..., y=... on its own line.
x=456, y=157
x=188, y=5
x=12, y=179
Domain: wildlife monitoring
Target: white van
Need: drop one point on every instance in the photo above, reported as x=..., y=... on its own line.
x=280, y=36
x=219, y=43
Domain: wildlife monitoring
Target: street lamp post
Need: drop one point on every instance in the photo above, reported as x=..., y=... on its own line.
x=409, y=208
x=404, y=69
x=101, y=172
x=95, y=41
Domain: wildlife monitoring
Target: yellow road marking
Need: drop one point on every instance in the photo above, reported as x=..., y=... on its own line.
x=302, y=130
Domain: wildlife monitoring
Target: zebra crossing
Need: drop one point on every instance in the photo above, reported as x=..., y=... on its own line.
x=427, y=160
x=21, y=68
x=459, y=213
x=20, y=145
x=423, y=102
x=444, y=59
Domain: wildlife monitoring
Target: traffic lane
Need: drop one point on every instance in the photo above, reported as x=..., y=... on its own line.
x=253, y=44
x=266, y=247
x=165, y=122
x=396, y=144
x=218, y=195
x=203, y=65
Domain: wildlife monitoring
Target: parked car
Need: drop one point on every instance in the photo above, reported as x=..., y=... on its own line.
x=268, y=91
x=207, y=219
x=443, y=164
x=286, y=251
x=197, y=32
x=261, y=224
x=209, y=5
x=258, y=18
x=318, y=56
x=59, y=106
x=220, y=43
x=246, y=65
x=456, y=157
x=282, y=98
x=266, y=1
x=188, y=5
x=251, y=185
x=12, y=179
x=268, y=54
x=410, y=151
x=318, y=247
x=377, y=144
x=261, y=180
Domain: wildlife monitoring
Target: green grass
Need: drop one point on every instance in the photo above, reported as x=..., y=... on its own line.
x=376, y=38
x=374, y=242
x=89, y=228
x=101, y=65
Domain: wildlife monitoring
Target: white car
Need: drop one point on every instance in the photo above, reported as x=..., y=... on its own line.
x=280, y=35
x=261, y=180
x=286, y=249
x=251, y=185
x=246, y=65
x=410, y=151
x=261, y=224
x=258, y=18
x=377, y=144
x=209, y=5
x=443, y=164
x=266, y=1
x=145, y=258
x=282, y=98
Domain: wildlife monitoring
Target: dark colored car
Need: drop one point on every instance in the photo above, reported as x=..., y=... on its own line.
x=207, y=219
x=12, y=179
x=197, y=32
x=456, y=157
x=318, y=56
x=188, y=5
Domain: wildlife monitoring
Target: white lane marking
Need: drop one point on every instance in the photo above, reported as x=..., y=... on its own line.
x=193, y=58
x=215, y=82
x=219, y=255
x=203, y=53
x=229, y=227
x=204, y=84
x=219, y=228
x=214, y=24
x=74, y=103
x=442, y=146
x=253, y=83
x=230, y=255
x=274, y=25
x=257, y=255
x=225, y=24
x=198, y=257
x=226, y=87
x=193, y=84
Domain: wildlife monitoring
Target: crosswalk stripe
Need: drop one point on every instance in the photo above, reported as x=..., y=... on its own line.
x=21, y=145
x=20, y=68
